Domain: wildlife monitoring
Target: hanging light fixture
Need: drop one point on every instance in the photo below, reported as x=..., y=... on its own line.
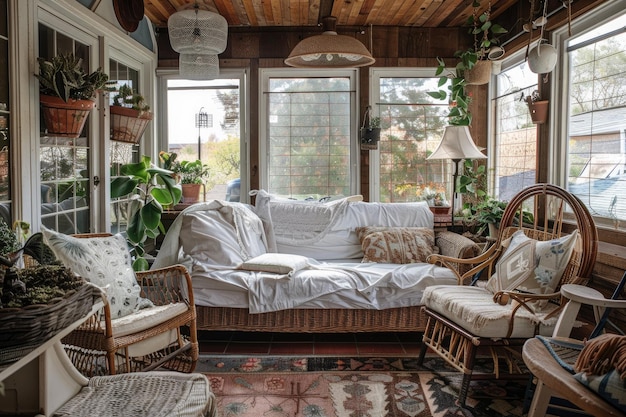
x=198, y=66
x=329, y=50
x=199, y=36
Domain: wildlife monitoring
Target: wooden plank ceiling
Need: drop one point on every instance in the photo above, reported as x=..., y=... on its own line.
x=268, y=13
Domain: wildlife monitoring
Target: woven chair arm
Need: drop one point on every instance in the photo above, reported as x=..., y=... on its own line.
x=171, y=284
x=522, y=300
x=98, y=321
x=485, y=260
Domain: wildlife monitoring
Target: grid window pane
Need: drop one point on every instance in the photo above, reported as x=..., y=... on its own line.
x=597, y=122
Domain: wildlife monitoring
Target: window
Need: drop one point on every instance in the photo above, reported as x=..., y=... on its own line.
x=515, y=147
x=5, y=132
x=310, y=133
x=65, y=162
x=596, y=124
x=204, y=121
x=121, y=152
x=412, y=126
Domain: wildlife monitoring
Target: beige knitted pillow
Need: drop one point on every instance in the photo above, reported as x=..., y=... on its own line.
x=397, y=245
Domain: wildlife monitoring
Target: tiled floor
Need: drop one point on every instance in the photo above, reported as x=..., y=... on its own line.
x=358, y=344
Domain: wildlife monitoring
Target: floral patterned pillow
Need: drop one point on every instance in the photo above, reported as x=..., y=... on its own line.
x=532, y=266
x=105, y=262
x=396, y=245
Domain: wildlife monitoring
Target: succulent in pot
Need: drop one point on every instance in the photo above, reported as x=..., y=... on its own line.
x=67, y=93
x=130, y=115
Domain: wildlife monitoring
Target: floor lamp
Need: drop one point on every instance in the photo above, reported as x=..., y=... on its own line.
x=456, y=144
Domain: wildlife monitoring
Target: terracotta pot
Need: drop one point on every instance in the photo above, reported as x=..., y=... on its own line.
x=127, y=125
x=191, y=193
x=479, y=74
x=64, y=119
x=539, y=111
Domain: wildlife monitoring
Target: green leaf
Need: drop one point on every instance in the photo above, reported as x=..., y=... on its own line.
x=497, y=29
x=122, y=186
x=140, y=264
x=136, y=229
x=151, y=214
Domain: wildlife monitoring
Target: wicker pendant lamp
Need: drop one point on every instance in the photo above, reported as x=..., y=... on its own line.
x=329, y=50
x=199, y=36
x=199, y=66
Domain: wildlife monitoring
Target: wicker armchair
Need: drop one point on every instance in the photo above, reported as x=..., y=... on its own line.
x=461, y=319
x=160, y=337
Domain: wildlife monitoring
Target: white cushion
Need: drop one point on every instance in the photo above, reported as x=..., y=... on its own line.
x=146, y=318
x=277, y=263
x=532, y=266
x=473, y=309
x=105, y=262
x=210, y=236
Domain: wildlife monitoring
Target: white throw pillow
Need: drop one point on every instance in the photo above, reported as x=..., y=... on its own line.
x=532, y=266
x=277, y=263
x=105, y=262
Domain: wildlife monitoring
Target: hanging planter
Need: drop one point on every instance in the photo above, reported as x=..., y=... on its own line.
x=370, y=131
x=538, y=111
x=65, y=119
x=66, y=93
x=480, y=73
x=130, y=115
x=538, y=108
x=128, y=125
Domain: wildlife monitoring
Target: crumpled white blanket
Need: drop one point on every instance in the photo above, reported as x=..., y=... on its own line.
x=364, y=285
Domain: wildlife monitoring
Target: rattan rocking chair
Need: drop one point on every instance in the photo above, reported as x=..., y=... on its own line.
x=164, y=338
x=464, y=318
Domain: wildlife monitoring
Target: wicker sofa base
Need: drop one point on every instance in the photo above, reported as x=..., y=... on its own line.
x=400, y=319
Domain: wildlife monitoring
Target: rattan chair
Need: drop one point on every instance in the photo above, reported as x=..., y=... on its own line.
x=464, y=318
x=166, y=340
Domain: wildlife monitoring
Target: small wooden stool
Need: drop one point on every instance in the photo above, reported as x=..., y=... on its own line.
x=157, y=393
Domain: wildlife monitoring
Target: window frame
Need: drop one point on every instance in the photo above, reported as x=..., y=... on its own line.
x=375, y=74
x=509, y=62
x=242, y=74
x=265, y=74
x=559, y=149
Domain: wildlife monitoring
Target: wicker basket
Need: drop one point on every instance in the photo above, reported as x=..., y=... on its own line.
x=127, y=125
x=33, y=325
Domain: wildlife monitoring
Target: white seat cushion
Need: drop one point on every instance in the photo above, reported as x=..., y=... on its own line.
x=473, y=309
x=146, y=318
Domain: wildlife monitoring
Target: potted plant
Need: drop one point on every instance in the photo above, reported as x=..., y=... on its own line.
x=150, y=188
x=191, y=174
x=487, y=214
x=538, y=108
x=474, y=66
x=130, y=115
x=370, y=131
x=8, y=240
x=67, y=93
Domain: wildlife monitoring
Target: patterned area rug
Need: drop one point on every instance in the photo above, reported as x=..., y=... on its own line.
x=353, y=387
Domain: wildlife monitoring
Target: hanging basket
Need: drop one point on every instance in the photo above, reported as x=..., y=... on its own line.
x=127, y=125
x=479, y=74
x=538, y=111
x=65, y=119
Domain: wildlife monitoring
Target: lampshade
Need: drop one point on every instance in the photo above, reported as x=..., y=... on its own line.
x=456, y=143
x=329, y=50
x=197, y=31
x=198, y=66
